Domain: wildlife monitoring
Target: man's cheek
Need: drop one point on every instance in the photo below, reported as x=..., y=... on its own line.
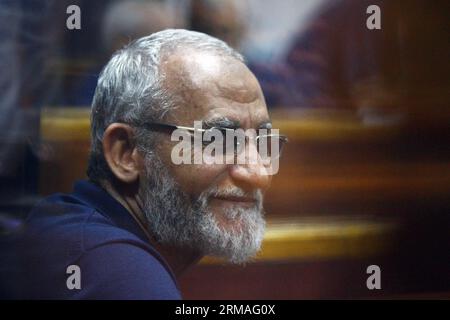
x=200, y=178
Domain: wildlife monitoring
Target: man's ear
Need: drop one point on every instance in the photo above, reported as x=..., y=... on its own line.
x=120, y=152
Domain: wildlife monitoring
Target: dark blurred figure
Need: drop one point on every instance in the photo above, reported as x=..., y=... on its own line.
x=28, y=42
x=339, y=63
x=219, y=18
x=122, y=21
x=27, y=46
x=397, y=76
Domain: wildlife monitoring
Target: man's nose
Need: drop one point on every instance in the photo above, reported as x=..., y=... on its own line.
x=253, y=173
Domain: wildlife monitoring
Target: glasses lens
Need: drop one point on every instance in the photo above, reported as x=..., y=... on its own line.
x=268, y=145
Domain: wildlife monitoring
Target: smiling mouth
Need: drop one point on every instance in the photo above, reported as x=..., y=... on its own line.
x=245, y=200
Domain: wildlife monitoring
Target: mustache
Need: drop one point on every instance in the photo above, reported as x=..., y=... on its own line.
x=237, y=192
x=232, y=192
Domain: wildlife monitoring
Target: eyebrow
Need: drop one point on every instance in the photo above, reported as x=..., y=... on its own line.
x=221, y=122
x=225, y=122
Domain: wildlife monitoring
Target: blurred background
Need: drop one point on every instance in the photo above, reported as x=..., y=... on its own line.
x=364, y=180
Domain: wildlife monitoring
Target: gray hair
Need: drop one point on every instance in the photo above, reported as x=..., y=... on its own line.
x=130, y=89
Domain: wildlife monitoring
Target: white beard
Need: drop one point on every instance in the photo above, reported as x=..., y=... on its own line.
x=173, y=218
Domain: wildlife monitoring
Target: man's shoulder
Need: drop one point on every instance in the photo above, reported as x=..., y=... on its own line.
x=124, y=270
x=62, y=231
x=62, y=219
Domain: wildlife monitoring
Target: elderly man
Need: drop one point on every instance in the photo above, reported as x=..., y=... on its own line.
x=141, y=220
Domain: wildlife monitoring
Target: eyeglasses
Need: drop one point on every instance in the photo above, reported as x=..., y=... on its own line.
x=269, y=145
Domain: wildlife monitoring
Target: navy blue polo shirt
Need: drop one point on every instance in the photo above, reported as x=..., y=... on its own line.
x=92, y=231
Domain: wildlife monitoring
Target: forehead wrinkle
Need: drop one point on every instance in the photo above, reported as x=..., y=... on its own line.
x=244, y=91
x=230, y=95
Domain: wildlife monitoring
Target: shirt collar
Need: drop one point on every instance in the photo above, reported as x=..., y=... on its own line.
x=98, y=198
